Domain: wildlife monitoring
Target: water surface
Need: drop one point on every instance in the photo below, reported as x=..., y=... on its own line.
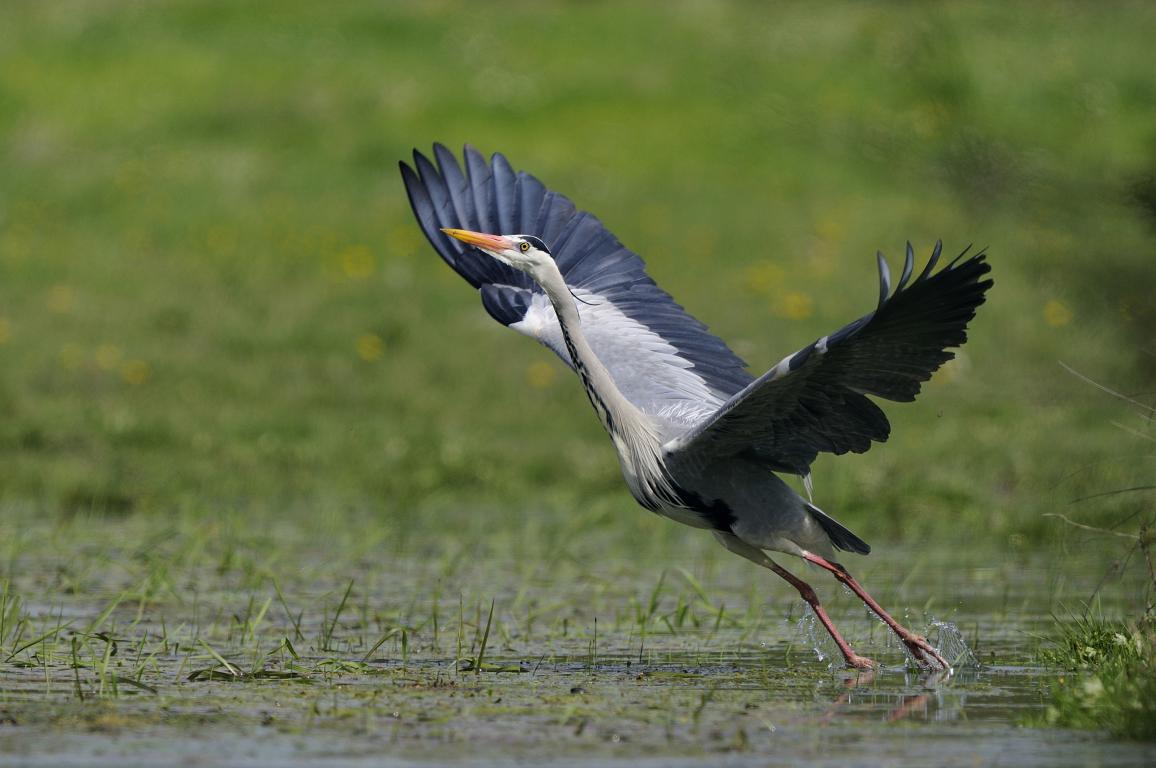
x=586, y=661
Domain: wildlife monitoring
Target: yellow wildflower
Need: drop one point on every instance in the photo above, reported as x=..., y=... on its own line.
x=357, y=262
x=1057, y=314
x=108, y=357
x=135, y=371
x=793, y=305
x=762, y=278
x=370, y=347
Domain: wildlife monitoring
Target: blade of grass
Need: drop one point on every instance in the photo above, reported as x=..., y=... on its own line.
x=485, y=639
x=379, y=643
x=50, y=633
x=337, y=615
x=221, y=659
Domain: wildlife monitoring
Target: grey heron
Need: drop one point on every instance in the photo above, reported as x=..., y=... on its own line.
x=699, y=439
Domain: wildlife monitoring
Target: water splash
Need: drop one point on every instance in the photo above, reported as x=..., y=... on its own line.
x=807, y=627
x=948, y=640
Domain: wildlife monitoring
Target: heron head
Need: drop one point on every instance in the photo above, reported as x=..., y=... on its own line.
x=524, y=252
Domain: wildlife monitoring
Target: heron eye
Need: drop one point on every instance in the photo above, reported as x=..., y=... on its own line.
x=525, y=247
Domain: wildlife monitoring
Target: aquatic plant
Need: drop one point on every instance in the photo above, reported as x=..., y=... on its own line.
x=1113, y=682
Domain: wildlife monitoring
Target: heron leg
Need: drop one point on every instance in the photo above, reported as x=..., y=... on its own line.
x=759, y=557
x=922, y=650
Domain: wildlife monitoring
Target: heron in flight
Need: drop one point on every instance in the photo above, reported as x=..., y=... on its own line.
x=698, y=438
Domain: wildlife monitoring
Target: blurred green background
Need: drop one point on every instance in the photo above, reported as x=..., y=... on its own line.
x=213, y=294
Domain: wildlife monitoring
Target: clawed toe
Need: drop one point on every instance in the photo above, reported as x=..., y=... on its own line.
x=861, y=662
x=924, y=653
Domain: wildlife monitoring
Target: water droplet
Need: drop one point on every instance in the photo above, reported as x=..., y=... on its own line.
x=807, y=628
x=948, y=640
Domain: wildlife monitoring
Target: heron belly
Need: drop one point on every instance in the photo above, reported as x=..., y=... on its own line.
x=744, y=498
x=686, y=516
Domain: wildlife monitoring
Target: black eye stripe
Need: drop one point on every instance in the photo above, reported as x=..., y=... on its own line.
x=536, y=242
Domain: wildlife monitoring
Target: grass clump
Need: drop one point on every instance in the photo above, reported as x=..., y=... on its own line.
x=1113, y=687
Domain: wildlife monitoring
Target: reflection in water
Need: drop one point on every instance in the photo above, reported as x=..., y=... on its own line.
x=902, y=704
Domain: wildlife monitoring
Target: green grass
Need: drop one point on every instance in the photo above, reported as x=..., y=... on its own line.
x=212, y=292
x=1112, y=663
x=1112, y=682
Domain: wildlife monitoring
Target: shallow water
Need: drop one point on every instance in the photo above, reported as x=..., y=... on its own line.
x=586, y=661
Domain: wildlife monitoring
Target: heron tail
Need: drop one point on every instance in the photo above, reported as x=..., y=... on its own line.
x=840, y=537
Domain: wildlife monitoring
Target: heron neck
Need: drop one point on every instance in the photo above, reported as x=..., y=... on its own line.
x=616, y=412
x=635, y=436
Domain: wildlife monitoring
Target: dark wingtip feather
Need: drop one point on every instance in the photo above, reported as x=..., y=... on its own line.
x=481, y=189
x=425, y=211
x=884, y=278
x=505, y=194
x=927, y=270
x=908, y=268
x=977, y=257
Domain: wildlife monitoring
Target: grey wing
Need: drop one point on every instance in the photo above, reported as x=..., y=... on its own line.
x=662, y=359
x=816, y=400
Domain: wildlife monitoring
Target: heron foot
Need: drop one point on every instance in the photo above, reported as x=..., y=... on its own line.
x=924, y=653
x=855, y=661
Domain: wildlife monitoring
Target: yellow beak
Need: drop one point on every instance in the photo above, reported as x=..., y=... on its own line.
x=479, y=239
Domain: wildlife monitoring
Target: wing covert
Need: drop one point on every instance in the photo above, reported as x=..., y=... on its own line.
x=816, y=399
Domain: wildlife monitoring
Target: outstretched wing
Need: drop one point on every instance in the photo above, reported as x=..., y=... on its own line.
x=816, y=399
x=661, y=358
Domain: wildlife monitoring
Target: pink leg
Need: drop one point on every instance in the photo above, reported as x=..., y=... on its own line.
x=853, y=659
x=919, y=647
x=759, y=557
